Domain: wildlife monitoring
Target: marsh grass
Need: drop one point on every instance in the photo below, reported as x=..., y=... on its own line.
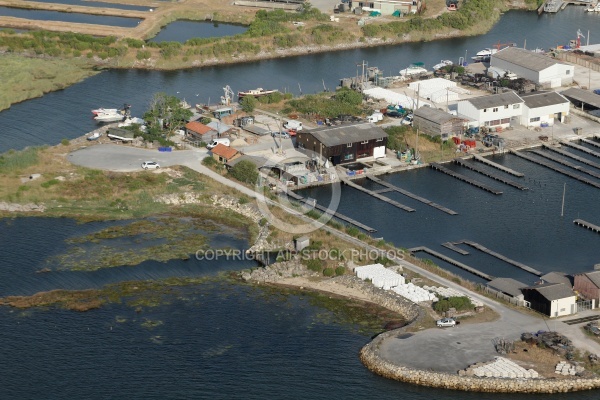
x=23, y=78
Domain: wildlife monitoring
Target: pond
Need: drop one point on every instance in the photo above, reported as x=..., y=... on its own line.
x=180, y=31
x=96, y=4
x=46, y=15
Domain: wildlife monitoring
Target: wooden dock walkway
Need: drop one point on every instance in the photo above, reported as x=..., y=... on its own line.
x=499, y=256
x=451, y=261
x=587, y=225
x=451, y=246
x=464, y=178
x=385, y=190
x=571, y=155
x=557, y=169
x=378, y=196
x=590, y=142
x=566, y=163
x=336, y=214
x=581, y=148
x=498, y=166
x=390, y=187
x=472, y=167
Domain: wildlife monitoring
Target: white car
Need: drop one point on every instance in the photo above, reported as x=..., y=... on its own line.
x=150, y=165
x=408, y=120
x=446, y=323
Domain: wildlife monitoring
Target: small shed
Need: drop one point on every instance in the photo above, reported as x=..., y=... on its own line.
x=508, y=286
x=301, y=243
x=543, y=108
x=587, y=285
x=199, y=131
x=436, y=122
x=551, y=299
x=557, y=277
x=224, y=154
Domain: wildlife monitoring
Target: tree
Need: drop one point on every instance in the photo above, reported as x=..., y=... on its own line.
x=165, y=114
x=245, y=171
x=248, y=104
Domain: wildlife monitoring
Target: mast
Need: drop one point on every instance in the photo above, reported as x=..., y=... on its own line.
x=562, y=210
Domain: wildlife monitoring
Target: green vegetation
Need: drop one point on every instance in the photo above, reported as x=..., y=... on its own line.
x=164, y=116
x=13, y=161
x=327, y=105
x=248, y=104
x=470, y=14
x=245, y=171
x=397, y=137
x=23, y=78
x=459, y=303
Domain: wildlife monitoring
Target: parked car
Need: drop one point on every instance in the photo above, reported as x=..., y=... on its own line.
x=446, y=323
x=150, y=165
x=408, y=120
x=283, y=135
x=293, y=124
x=394, y=114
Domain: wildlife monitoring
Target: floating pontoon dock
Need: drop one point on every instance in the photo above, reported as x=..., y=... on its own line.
x=499, y=256
x=570, y=155
x=390, y=187
x=378, y=196
x=498, y=166
x=566, y=163
x=557, y=169
x=464, y=178
x=472, y=167
x=451, y=261
x=587, y=225
x=581, y=148
x=334, y=213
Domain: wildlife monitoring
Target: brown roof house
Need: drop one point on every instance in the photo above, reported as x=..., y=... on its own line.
x=198, y=131
x=588, y=285
x=225, y=154
x=551, y=299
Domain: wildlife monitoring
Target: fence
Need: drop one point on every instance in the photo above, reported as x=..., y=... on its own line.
x=499, y=295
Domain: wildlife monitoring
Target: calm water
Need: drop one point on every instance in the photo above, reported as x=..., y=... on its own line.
x=96, y=4
x=46, y=15
x=67, y=113
x=180, y=31
x=227, y=341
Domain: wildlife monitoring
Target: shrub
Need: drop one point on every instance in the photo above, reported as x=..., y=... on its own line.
x=262, y=222
x=328, y=271
x=243, y=200
x=352, y=231
x=340, y=271
x=49, y=183
x=65, y=142
x=248, y=104
x=245, y=171
x=459, y=303
x=314, y=265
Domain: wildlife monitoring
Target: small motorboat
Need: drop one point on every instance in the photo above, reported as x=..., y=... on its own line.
x=442, y=64
x=94, y=136
x=413, y=70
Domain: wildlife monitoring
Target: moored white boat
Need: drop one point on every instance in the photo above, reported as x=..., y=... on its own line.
x=484, y=55
x=94, y=136
x=442, y=64
x=413, y=70
x=112, y=116
x=258, y=92
x=594, y=8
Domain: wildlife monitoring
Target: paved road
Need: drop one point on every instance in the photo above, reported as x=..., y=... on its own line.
x=447, y=349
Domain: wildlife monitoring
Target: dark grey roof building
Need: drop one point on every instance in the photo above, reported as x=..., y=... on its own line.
x=508, y=286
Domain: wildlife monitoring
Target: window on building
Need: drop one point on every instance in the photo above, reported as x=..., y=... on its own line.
x=568, y=72
x=379, y=140
x=495, y=122
x=536, y=119
x=495, y=109
x=487, y=123
x=505, y=120
x=506, y=107
x=364, y=142
x=516, y=106
x=348, y=157
x=485, y=110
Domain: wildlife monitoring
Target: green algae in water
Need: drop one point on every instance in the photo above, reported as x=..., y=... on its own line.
x=160, y=239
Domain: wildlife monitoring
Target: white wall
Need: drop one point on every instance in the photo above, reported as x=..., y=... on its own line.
x=560, y=307
x=562, y=72
x=484, y=118
x=545, y=114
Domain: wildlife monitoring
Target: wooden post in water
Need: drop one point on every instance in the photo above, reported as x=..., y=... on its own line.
x=562, y=210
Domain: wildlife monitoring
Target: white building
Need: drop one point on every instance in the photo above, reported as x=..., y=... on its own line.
x=543, y=108
x=535, y=67
x=552, y=299
x=437, y=90
x=496, y=110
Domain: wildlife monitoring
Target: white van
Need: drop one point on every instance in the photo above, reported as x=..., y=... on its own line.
x=292, y=124
x=215, y=142
x=375, y=117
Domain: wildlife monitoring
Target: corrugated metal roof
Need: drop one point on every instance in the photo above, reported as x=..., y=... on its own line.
x=584, y=96
x=556, y=277
x=594, y=277
x=435, y=115
x=346, y=134
x=507, y=285
x=495, y=100
x=525, y=58
x=553, y=291
x=543, y=99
